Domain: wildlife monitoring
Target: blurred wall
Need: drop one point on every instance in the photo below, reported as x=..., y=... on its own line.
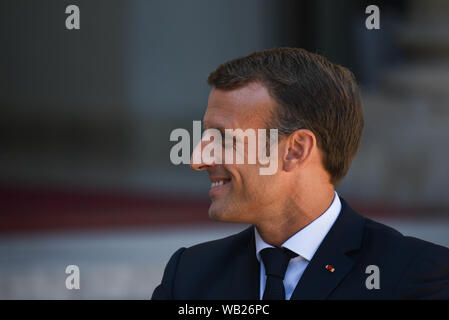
x=63, y=117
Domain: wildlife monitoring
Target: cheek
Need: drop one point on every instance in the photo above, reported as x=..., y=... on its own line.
x=251, y=185
x=256, y=185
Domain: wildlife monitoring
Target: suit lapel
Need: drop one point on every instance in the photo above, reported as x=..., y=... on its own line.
x=345, y=235
x=245, y=283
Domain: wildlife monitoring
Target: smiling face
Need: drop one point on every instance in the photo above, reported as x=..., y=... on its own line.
x=238, y=192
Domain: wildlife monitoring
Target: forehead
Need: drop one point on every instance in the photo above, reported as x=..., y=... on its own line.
x=246, y=107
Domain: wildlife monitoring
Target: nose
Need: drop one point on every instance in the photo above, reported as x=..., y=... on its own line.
x=196, y=161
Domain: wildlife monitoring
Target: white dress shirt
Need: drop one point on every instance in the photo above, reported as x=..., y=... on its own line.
x=305, y=243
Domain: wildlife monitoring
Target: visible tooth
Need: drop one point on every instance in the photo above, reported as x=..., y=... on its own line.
x=217, y=183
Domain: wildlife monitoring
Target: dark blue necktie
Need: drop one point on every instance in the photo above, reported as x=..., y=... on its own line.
x=275, y=261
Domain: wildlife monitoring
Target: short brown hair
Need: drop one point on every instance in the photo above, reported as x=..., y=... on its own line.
x=312, y=93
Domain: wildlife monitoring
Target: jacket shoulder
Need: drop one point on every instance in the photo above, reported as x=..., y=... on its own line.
x=384, y=234
x=421, y=268
x=187, y=265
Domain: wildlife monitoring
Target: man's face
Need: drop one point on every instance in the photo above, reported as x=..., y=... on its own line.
x=245, y=195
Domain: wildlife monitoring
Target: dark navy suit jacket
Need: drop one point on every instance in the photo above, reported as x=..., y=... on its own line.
x=409, y=268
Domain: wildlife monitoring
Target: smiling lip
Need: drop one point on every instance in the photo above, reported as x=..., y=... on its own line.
x=218, y=184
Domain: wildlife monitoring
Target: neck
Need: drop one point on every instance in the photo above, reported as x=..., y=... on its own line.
x=300, y=211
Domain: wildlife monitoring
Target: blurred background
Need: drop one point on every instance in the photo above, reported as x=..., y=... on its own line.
x=86, y=115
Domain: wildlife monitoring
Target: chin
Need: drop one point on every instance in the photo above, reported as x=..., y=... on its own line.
x=218, y=213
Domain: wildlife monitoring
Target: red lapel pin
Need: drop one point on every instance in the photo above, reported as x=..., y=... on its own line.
x=329, y=268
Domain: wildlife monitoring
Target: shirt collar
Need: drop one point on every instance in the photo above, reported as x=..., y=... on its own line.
x=306, y=241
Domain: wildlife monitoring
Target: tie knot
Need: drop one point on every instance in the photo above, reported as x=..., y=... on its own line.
x=276, y=260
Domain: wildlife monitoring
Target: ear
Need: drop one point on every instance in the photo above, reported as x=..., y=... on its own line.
x=298, y=149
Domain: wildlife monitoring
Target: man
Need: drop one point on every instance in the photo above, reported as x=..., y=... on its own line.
x=305, y=242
